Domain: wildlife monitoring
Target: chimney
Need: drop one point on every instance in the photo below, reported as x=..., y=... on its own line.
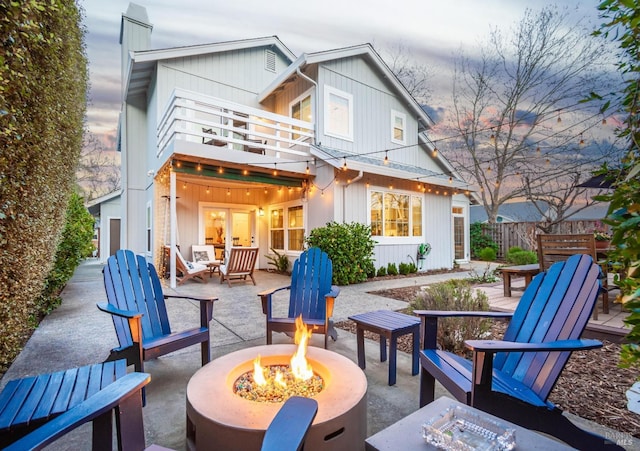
x=135, y=34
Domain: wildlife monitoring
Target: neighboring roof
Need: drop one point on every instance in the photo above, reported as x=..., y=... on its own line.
x=365, y=50
x=144, y=61
x=94, y=205
x=592, y=212
x=510, y=212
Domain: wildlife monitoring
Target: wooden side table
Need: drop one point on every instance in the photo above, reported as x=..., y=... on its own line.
x=389, y=325
x=526, y=271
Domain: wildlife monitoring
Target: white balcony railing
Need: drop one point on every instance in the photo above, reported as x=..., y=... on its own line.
x=204, y=119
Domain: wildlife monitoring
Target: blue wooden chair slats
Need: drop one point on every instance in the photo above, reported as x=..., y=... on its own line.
x=28, y=402
x=513, y=378
x=288, y=429
x=311, y=296
x=137, y=305
x=122, y=395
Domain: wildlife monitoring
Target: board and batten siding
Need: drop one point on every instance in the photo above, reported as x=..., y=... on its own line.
x=237, y=76
x=373, y=102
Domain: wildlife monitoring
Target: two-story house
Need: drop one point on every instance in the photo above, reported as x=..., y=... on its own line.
x=243, y=143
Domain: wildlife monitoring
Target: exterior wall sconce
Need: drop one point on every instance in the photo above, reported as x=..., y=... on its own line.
x=260, y=212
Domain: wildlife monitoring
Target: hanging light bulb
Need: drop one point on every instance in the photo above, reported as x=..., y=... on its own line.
x=207, y=190
x=547, y=162
x=604, y=121
x=184, y=185
x=245, y=172
x=266, y=191
x=450, y=179
x=344, y=166
x=178, y=164
x=228, y=192
x=220, y=170
x=538, y=150
x=492, y=138
x=488, y=168
x=199, y=167
x=386, y=158
x=275, y=170
x=434, y=153
x=559, y=119
x=290, y=189
x=581, y=142
x=322, y=192
x=307, y=170
x=248, y=192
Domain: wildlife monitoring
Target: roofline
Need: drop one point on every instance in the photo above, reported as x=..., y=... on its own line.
x=104, y=198
x=346, y=52
x=199, y=49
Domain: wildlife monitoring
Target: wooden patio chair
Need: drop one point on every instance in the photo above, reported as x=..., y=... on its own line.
x=187, y=270
x=512, y=378
x=557, y=248
x=137, y=306
x=121, y=396
x=286, y=432
x=310, y=295
x=240, y=264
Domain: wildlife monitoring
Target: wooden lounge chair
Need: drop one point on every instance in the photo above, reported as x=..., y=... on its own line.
x=139, y=313
x=241, y=263
x=187, y=270
x=558, y=248
x=286, y=432
x=512, y=378
x=311, y=295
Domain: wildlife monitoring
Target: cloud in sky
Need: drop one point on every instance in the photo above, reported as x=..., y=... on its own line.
x=433, y=31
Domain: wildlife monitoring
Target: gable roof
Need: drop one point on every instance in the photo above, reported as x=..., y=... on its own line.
x=365, y=50
x=524, y=211
x=143, y=62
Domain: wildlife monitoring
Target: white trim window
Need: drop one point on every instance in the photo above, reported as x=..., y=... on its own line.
x=302, y=109
x=287, y=227
x=398, y=127
x=395, y=214
x=338, y=113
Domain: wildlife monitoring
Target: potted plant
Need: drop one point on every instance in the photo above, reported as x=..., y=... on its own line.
x=602, y=237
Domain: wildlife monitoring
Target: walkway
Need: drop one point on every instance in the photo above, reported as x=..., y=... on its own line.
x=77, y=334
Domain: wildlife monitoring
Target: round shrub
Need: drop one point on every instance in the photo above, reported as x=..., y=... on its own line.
x=521, y=257
x=382, y=271
x=487, y=254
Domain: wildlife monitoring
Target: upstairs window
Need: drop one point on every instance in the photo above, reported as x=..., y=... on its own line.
x=338, y=113
x=301, y=109
x=398, y=127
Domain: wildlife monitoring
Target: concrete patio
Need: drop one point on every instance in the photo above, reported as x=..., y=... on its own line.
x=77, y=334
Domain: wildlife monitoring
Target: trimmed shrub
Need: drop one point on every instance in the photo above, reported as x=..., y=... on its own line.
x=43, y=86
x=455, y=294
x=350, y=248
x=370, y=270
x=382, y=271
x=392, y=269
x=518, y=256
x=487, y=254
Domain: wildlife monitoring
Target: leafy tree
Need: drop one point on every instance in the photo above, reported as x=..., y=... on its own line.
x=43, y=84
x=507, y=103
x=623, y=26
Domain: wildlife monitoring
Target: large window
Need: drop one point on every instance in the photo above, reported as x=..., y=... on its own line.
x=338, y=113
x=287, y=227
x=395, y=214
x=301, y=109
x=398, y=127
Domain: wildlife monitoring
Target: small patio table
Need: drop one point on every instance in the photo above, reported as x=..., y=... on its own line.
x=526, y=271
x=389, y=325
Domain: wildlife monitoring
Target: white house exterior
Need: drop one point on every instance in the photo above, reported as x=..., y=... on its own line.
x=243, y=143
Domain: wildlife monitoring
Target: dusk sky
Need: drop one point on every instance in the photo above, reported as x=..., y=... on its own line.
x=432, y=30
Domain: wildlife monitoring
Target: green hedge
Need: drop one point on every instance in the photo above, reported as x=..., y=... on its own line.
x=43, y=84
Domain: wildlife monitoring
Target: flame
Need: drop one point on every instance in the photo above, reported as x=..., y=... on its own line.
x=258, y=372
x=300, y=368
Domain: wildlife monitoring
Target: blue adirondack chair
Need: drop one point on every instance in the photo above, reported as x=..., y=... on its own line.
x=512, y=378
x=137, y=306
x=311, y=295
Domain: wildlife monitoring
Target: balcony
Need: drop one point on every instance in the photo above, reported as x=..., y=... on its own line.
x=214, y=125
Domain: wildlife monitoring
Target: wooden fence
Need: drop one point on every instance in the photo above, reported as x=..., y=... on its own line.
x=523, y=234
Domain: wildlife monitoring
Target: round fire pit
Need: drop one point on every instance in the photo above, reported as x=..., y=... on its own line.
x=217, y=418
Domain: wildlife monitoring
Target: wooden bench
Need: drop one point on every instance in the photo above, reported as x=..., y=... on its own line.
x=27, y=403
x=389, y=325
x=526, y=271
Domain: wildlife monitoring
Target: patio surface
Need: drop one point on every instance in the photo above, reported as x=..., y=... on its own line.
x=77, y=334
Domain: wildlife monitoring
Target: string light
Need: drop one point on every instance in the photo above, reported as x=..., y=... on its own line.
x=245, y=172
x=581, y=142
x=220, y=170
x=344, y=166
x=275, y=169
x=266, y=191
x=604, y=121
x=492, y=138
x=386, y=158
x=208, y=190
x=450, y=179
x=434, y=153
x=228, y=192
x=248, y=192
x=199, y=167
x=307, y=170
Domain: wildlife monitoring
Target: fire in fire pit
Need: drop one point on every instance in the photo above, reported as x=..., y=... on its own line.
x=277, y=383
